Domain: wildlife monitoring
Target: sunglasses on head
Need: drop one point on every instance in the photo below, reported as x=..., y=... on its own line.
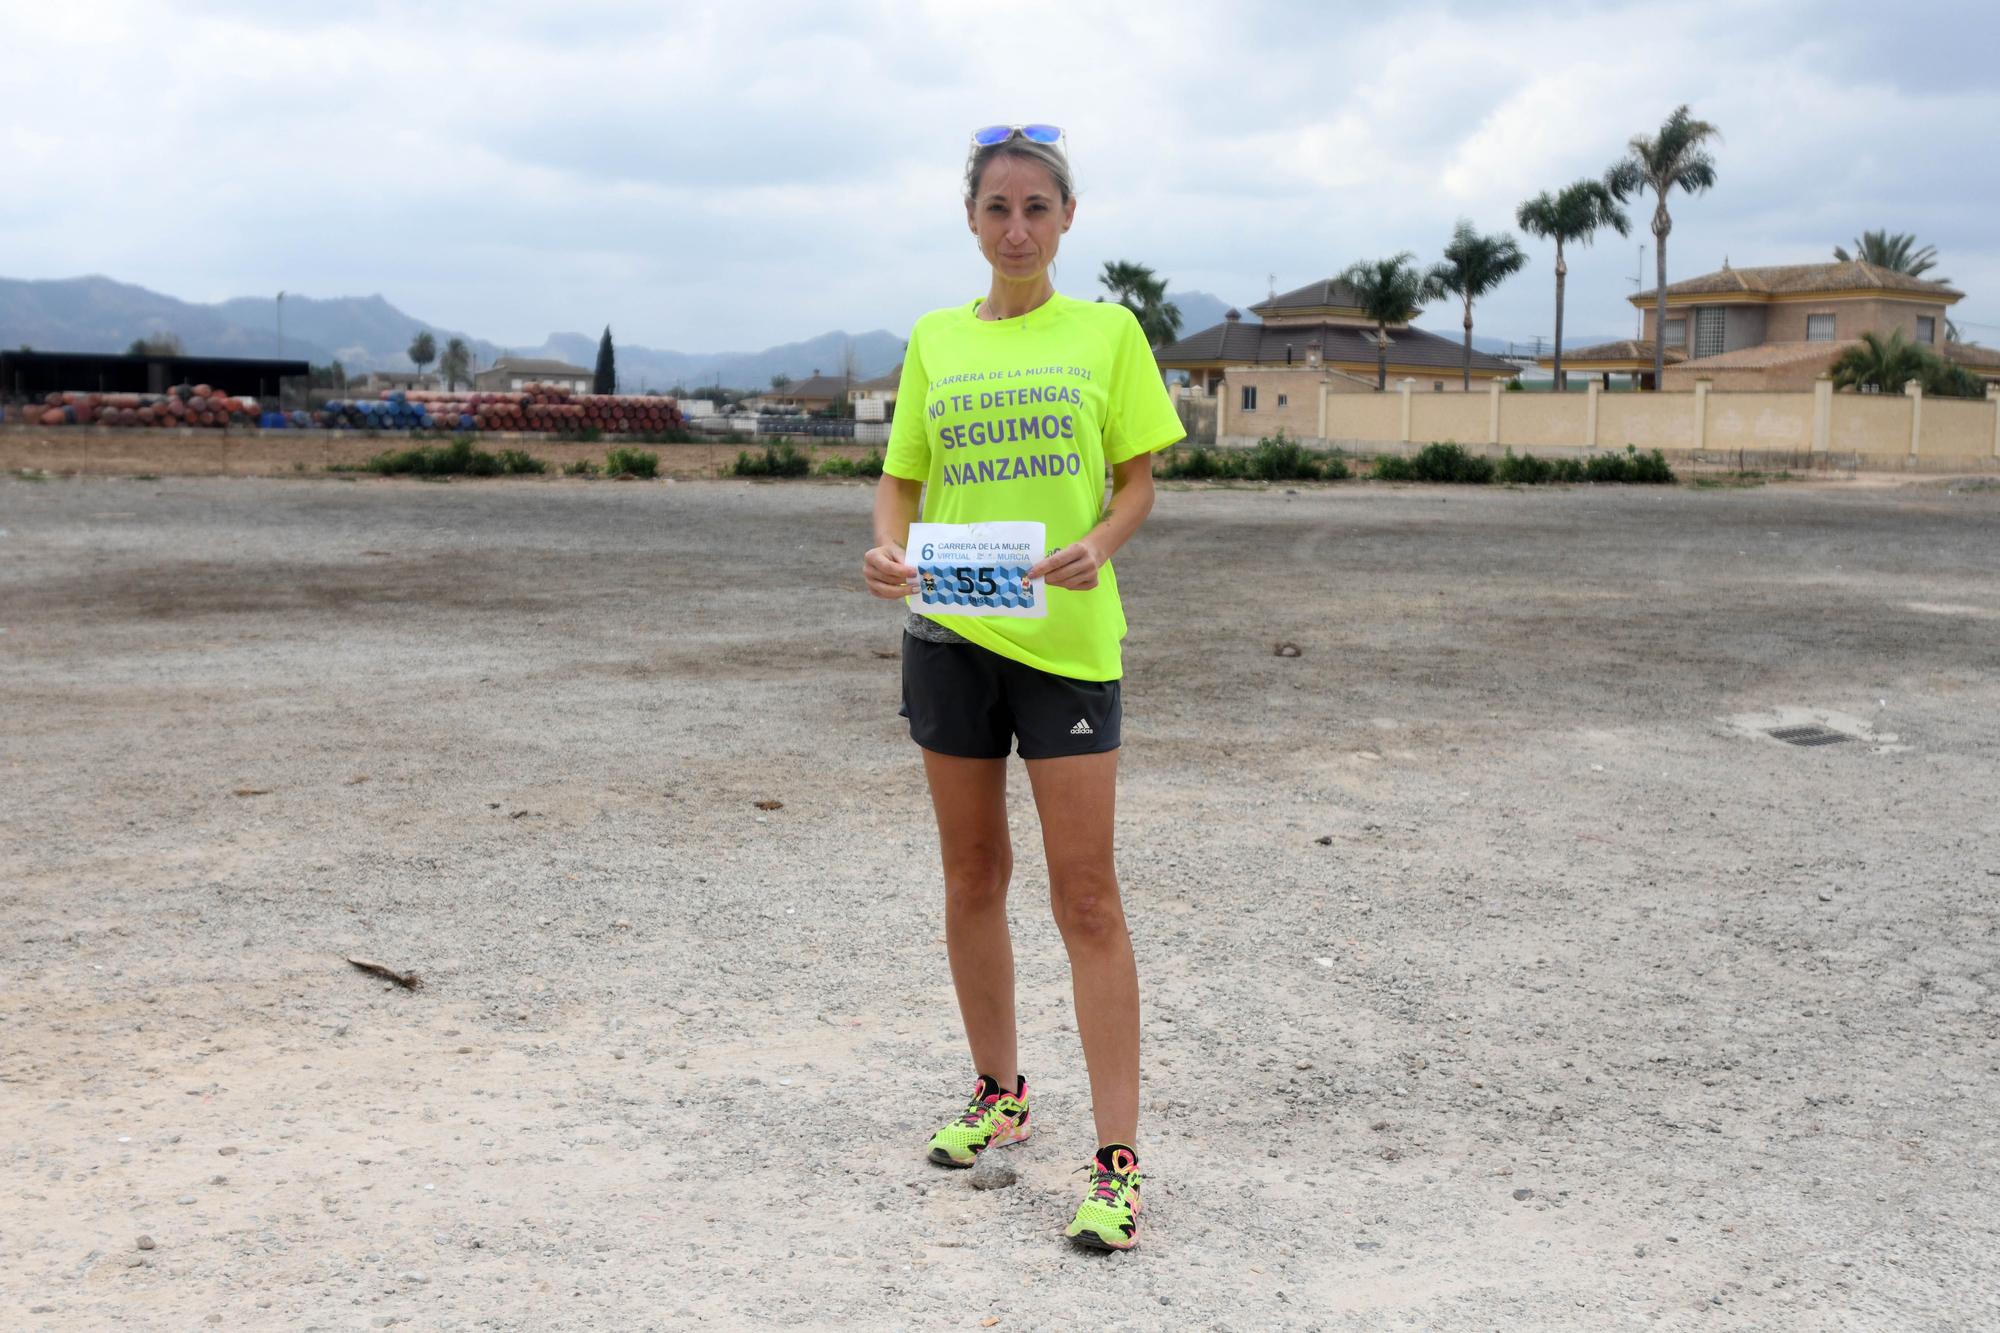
x=999, y=134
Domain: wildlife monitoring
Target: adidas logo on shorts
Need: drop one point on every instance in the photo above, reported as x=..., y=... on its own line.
x=1082, y=728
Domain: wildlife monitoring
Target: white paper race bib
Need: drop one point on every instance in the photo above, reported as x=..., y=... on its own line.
x=978, y=569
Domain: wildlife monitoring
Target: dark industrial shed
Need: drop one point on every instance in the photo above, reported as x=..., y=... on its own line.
x=30, y=376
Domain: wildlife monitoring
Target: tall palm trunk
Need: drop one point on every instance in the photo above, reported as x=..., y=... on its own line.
x=1381, y=358
x=1662, y=224
x=1562, y=275
x=1467, y=385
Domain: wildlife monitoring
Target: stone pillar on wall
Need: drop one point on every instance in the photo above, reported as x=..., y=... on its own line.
x=1993, y=397
x=1222, y=409
x=1403, y=387
x=1494, y=390
x=1822, y=414
x=1914, y=391
x=1590, y=415
x=1322, y=406
x=1701, y=414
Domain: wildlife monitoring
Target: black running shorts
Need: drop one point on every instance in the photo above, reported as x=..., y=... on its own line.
x=971, y=702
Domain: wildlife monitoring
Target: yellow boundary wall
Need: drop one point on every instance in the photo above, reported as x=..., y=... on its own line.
x=1817, y=427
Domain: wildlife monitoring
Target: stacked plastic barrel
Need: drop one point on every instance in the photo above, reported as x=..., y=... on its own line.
x=392, y=411
x=546, y=407
x=195, y=405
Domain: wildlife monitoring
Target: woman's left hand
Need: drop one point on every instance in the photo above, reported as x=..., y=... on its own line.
x=1074, y=566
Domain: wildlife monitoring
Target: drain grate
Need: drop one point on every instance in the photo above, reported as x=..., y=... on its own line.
x=1808, y=735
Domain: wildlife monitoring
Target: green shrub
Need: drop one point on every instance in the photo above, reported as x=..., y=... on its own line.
x=1198, y=464
x=1273, y=458
x=1277, y=458
x=1523, y=470
x=1439, y=462
x=779, y=460
x=515, y=462
x=871, y=466
x=1603, y=468
x=1629, y=468
x=457, y=459
x=582, y=467
x=631, y=462
x=1647, y=469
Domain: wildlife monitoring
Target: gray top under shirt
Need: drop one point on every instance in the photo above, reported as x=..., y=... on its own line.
x=923, y=627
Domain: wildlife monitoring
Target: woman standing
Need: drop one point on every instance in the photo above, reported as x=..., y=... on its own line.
x=1010, y=408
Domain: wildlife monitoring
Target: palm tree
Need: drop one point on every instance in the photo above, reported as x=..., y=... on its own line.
x=1134, y=287
x=423, y=351
x=1896, y=252
x=456, y=363
x=1473, y=266
x=1881, y=364
x=1672, y=158
x=1573, y=213
x=1389, y=291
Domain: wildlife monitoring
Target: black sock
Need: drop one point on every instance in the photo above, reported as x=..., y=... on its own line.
x=1109, y=1162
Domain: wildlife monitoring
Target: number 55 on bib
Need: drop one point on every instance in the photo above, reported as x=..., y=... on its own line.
x=977, y=569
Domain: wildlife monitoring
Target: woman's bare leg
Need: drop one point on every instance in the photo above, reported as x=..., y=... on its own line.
x=1076, y=797
x=970, y=797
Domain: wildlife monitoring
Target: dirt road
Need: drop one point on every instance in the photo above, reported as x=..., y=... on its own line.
x=1500, y=970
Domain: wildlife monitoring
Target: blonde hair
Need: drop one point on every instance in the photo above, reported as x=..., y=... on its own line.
x=1047, y=154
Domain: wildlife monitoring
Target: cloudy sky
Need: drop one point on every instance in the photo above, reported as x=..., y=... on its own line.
x=710, y=176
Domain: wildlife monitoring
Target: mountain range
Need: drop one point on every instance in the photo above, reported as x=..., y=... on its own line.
x=99, y=314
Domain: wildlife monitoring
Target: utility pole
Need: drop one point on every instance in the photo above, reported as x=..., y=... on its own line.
x=281, y=326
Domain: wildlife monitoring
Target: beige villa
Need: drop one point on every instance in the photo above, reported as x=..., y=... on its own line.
x=1313, y=341
x=1778, y=327
x=883, y=386
x=815, y=393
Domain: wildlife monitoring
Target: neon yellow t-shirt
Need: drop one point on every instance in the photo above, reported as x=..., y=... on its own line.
x=1018, y=419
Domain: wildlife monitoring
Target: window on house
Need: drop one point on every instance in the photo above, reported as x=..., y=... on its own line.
x=1249, y=398
x=1819, y=328
x=1708, y=331
x=1677, y=333
x=1437, y=386
x=1284, y=398
x=1926, y=328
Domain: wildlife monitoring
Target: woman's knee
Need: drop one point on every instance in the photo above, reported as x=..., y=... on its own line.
x=976, y=876
x=1086, y=903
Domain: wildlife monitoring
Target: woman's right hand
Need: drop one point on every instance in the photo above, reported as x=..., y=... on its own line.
x=888, y=575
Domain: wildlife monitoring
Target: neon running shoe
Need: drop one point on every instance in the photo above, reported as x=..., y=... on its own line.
x=991, y=1119
x=1108, y=1218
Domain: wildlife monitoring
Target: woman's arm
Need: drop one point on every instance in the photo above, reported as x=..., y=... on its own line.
x=897, y=503
x=1076, y=565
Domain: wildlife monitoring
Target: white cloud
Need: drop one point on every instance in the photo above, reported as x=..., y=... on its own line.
x=736, y=175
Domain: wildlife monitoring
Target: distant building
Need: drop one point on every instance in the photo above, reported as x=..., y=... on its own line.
x=882, y=387
x=1322, y=321
x=815, y=393
x=518, y=372
x=375, y=381
x=1313, y=342
x=1779, y=327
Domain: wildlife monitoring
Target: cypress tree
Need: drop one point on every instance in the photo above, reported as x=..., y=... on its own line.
x=606, y=378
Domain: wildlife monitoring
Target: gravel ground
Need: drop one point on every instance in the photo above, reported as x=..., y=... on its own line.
x=1499, y=971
